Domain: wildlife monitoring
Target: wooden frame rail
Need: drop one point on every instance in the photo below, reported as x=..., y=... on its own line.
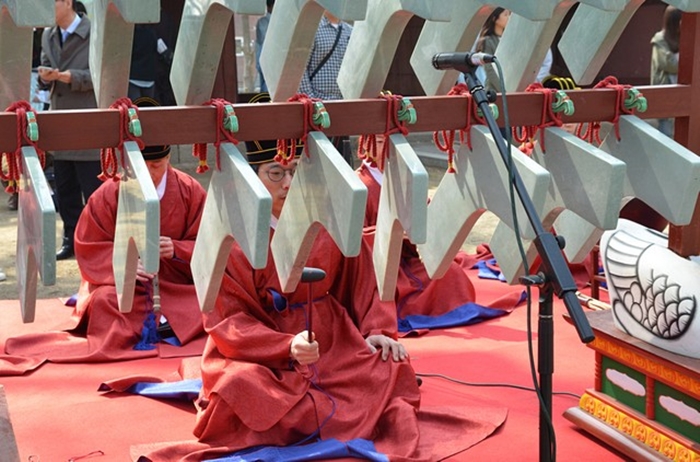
x=97, y=128
x=63, y=130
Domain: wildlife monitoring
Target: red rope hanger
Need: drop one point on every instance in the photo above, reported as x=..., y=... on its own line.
x=444, y=139
x=549, y=118
x=314, y=118
x=227, y=124
x=368, y=144
x=27, y=134
x=627, y=101
x=129, y=130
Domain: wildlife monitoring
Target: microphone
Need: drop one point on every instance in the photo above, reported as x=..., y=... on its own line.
x=460, y=60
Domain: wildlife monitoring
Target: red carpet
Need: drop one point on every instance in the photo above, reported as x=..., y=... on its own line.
x=57, y=413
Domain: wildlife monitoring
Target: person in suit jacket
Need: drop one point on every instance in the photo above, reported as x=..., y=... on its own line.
x=65, y=68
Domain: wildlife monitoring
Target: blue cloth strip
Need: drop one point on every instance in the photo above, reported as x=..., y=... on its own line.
x=279, y=302
x=463, y=315
x=185, y=389
x=325, y=449
x=321, y=450
x=486, y=270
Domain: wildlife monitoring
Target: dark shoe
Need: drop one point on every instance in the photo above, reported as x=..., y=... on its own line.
x=13, y=202
x=66, y=250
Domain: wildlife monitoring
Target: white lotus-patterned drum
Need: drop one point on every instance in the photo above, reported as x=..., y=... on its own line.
x=654, y=292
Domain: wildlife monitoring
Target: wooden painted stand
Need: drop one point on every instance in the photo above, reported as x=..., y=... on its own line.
x=640, y=418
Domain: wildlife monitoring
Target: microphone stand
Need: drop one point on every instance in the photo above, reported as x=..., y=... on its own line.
x=554, y=276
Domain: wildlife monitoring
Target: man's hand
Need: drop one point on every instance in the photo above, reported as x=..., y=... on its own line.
x=48, y=74
x=167, y=249
x=303, y=351
x=142, y=275
x=387, y=344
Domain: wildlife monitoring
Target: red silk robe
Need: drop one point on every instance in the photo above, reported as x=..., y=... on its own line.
x=98, y=331
x=416, y=293
x=253, y=394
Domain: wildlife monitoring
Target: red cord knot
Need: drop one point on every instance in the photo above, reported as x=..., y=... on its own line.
x=367, y=147
x=628, y=100
x=444, y=139
x=374, y=148
x=226, y=126
x=315, y=118
x=27, y=134
x=129, y=130
x=554, y=104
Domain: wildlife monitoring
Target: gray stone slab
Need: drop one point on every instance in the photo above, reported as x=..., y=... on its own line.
x=30, y=13
x=199, y=44
x=524, y=45
x=36, y=233
x=581, y=236
x=111, y=37
x=468, y=16
x=540, y=10
x=590, y=37
x=660, y=171
x=479, y=184
x=326, y=192
x=525, y=42
x=137, y=231
x=374, y=41
x=16, y=59
x=238, y=207
x=18, y=18
x=689, y=6
x=586, y=181
x=292, y=28
x=459, y=34
x=8, y=443
x=503, y=240
x=403, y=204
x=347, y=10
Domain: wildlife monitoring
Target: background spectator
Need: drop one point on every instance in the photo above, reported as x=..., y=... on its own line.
x=664, y=57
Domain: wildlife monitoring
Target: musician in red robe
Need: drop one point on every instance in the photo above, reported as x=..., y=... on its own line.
x=422, y=302
x=98, y=331
x=264, y=383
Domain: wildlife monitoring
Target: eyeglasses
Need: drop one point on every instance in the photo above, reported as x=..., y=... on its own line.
x=276, y=174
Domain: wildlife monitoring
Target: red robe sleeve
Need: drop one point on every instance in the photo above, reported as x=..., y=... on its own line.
x=239, y=325
x=94, y=235
x=374, y=189
x=181, y=214
x=356, y=288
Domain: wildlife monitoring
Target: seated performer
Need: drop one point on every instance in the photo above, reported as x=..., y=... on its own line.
x=264, y=383
x=422, y=302
x=98, y=330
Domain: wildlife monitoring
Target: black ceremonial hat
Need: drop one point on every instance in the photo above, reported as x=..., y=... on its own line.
x=262, y=151
x=152, y=152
